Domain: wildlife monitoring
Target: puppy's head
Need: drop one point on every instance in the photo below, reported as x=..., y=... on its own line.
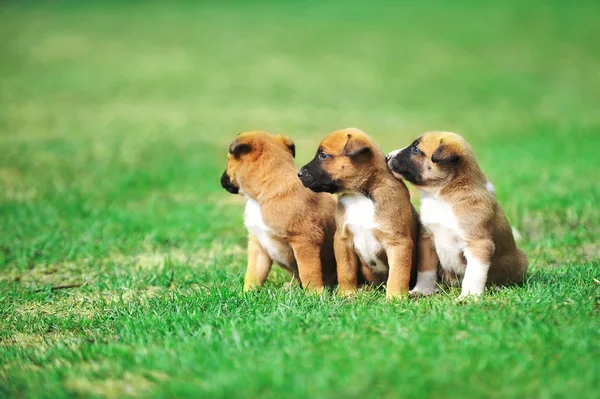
x=431, y=160
x=343, y=161
x=253, y=152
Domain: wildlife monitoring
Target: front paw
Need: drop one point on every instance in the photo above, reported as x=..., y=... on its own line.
x=314, y=290
x=393, y=296
x=250, y=287
x=347, y=292
x=468, y=296
x=423, y=290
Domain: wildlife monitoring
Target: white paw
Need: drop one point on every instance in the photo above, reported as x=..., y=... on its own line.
x=426, y=284
x=423, y=290
x=468, y=295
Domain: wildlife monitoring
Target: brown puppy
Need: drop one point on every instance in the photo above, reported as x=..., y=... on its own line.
x=287, y=223
x=459, y=214
x=377, y=226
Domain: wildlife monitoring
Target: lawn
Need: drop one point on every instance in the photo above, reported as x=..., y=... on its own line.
x=122, y=259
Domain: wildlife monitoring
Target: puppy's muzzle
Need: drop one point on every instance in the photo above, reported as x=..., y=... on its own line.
x=306, y=177
x=228, y=185
x=391, y=159
x=400, y=164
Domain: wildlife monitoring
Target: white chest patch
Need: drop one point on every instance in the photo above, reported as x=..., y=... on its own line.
x=279, y=251
x=439, y=218
x=360, y=219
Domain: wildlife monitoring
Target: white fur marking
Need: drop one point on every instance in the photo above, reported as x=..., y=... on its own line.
x=394, y=153
x=490, y=187
x=278, y=250
x=360, y=219
x=426, y=283
x=437, y=215
x=475, y=276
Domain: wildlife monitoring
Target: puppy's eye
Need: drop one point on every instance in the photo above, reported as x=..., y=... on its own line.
x=323, y=156
x=415, y=150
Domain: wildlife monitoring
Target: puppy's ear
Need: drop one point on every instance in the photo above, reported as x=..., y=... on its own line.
x=356, y=146
x=288, y=144
x=237, y=149
x=445, y=154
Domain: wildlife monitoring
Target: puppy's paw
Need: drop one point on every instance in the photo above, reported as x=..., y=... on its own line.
x=314, y=291
x=423, y=290
x=347, y=293
x=250, y=287
x=395, y=296
x=468, y=296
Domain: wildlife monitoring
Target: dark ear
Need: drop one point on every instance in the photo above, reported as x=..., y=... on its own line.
x=236, y=149
x=288, y=143
x=355, y=146
x=445, y=154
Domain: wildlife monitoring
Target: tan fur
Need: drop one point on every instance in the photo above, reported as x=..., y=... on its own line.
x=450, y=171
x=395, y=217
x=302, y=222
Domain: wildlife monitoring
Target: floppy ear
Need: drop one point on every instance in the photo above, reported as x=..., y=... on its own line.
x=236, y=149
x=445, y=154
x=356, y=146
x=288, y=143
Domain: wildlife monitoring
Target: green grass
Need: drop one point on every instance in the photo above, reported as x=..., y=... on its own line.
x=114, y=123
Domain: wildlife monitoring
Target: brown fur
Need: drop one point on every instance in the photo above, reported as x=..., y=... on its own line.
x=444, y=165
x=301, y=222
x=357, y=166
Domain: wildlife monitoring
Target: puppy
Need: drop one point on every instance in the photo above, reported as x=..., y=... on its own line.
x=286, y=222
x=463, y=224
x=377, y=226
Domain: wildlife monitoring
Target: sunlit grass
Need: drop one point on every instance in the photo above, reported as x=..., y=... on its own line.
x=114, y=124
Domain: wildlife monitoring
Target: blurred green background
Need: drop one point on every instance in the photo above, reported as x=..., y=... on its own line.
x=115, y=119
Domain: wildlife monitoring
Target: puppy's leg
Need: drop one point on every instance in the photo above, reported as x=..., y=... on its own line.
x=347, y=266
x=259, y=265
x=400, y=261
x=309, y=265
x=427, y=265
x=479, y=255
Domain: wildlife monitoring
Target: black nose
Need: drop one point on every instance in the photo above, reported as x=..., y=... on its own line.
x=387, y=157
x=300, y=172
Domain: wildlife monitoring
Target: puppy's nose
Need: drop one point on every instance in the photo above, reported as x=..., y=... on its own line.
x=300, y=173
x=387, y=157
